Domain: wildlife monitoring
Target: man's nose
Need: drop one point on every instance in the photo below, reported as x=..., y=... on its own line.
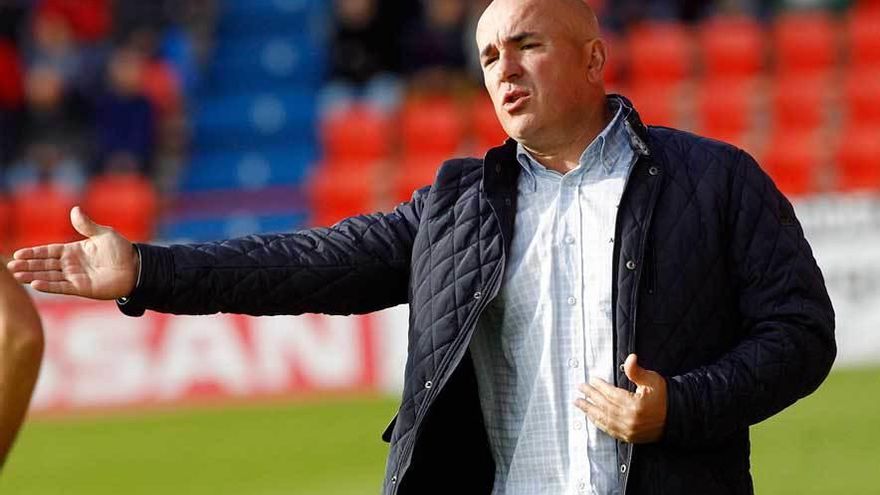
x=509, y=68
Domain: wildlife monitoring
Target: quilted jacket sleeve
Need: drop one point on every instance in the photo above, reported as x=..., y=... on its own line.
x=787, y=318
x=359, y=265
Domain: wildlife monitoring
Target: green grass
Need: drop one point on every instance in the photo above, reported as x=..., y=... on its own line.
x=827, y=443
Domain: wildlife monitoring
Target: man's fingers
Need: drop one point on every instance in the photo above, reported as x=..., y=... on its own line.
x=599, y=416
x=34, y=265
x=47, y=276
x=39, y=252
x=54, y=287
x=617, y=396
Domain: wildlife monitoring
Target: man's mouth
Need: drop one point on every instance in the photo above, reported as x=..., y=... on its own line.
x=515, y=99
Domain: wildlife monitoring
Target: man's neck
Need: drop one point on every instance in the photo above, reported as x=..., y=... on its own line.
x=566, y=155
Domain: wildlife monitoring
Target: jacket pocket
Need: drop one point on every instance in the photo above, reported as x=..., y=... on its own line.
x=389, y=430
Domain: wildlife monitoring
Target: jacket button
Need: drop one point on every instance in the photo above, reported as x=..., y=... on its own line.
x=630, y=265
x=621, y=368
x=478, y=295
x=654, y=171
x=508, y=202
x=429, y=384
x=497, y=168
x=393, y=480
x=623, y=469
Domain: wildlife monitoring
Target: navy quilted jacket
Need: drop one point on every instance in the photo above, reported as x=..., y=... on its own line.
x=716, y=289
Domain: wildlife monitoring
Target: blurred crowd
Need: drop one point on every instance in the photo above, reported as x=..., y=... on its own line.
x=380, y=49
x=91, y=87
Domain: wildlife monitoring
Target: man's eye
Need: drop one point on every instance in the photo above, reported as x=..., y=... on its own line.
x=530, y=46
x=489, y=61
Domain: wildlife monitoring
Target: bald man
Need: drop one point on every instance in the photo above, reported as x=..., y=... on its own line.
x=596, y=306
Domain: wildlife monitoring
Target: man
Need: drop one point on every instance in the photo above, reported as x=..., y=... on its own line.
x=21, y=352
x=535, y=277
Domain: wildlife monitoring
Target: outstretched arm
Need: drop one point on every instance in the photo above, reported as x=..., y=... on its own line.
x=21, y=350
x=359, y=265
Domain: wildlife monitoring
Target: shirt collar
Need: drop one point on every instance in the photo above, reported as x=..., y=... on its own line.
x=605, y=148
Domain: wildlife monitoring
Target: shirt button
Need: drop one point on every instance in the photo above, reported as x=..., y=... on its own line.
x=573, y=363
x=582, y=487
x=569, y=239
x=630, y=265
x=572, y=301
x=578, y=425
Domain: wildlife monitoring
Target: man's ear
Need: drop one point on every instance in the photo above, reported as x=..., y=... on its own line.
x=597, y=54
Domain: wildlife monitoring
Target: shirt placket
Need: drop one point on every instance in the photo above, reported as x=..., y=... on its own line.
x=570, y=274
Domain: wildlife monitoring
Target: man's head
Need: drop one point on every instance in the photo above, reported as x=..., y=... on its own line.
x=542, y=62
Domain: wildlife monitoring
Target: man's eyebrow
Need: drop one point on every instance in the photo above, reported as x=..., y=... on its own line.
x=516, y=38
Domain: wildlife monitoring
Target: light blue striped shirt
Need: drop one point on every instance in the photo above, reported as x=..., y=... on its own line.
x=550, y=328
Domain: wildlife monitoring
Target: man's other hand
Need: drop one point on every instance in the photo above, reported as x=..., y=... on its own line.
x=104, y=265
x=634, y=417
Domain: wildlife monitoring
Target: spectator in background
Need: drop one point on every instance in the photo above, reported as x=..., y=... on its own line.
x=53, y=44
x=434, y=53
x=126, y=121
x=11, y=100
x=55, y=132
x=361, y=59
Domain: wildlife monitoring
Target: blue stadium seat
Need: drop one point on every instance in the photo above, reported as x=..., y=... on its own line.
x=249, y=169
x=212, y=229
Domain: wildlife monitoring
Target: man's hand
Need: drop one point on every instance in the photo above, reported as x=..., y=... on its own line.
x=634, y=417
x=104, y=265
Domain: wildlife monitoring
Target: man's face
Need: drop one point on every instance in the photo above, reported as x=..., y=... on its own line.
x=535, y=69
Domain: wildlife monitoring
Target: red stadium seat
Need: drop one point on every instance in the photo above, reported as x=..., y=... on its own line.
x=357, y=133
x=128, y=202
x=725, y=109
x=660, y=53
x=432, y=125
x=792, y=159
x=656, y=104
x=487, y=129
x=41, y=215
x=336, y=193
x=858, y=159
x=732, y=47
x=863, y=36
x=805, y=42
x=862, y=95
x=416, y=172
x=800, y=102
x=617, y=59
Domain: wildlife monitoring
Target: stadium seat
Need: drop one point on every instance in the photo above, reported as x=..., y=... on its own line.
x=660, y=53
x=732, y=47
x=805, y=42
x=655, y=103
x=416, y=172
x=862, y=94
x=863, y=36
x=359, y=133
x=800, y=102
x=792, y=159
x=335, y=192
x=41, y=215
x=858, y=159
x=725, y=109
x=487, y=129
x=432, y=125
x=127, y=202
